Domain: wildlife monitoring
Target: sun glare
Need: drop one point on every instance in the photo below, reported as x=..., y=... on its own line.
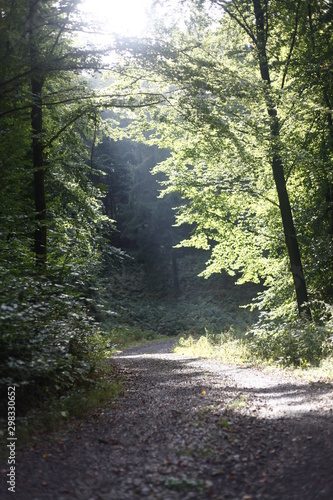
x=122, y=17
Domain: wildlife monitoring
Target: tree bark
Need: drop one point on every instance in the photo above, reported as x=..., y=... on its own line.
x=328, y=103
x=176, y=287
x=278, y=171
x=40, y=237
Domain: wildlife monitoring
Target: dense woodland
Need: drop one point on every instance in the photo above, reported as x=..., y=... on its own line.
x=205, y=148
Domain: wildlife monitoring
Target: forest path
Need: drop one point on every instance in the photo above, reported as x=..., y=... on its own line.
x=190, y=428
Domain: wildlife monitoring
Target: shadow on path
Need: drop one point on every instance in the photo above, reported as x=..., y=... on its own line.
x=185, y=429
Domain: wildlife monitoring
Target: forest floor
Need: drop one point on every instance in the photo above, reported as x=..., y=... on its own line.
x=188, y=428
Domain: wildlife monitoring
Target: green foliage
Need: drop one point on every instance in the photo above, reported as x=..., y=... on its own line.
x=49, y=340
x=54, y=412
x=208, y=117
x=218, y=121
x=298, y=345
x=212, y=303
x=295, y=343
x=227, y=347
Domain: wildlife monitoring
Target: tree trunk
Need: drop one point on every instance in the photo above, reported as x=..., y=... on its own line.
x=288, y=226
x=328, y=104
x=39, y=175
x=329, y=196
x=40, y=238
x=176, y=288
x=278, y=172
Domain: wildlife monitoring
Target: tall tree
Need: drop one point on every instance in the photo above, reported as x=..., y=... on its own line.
x=38, y=56
x=51, y=212
x=262, y=20
x=316, y=67
x=37, y=79
x=238, y=124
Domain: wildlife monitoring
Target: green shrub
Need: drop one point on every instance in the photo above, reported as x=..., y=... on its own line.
x=297, y=343
x=227, y=347
x=49, y=339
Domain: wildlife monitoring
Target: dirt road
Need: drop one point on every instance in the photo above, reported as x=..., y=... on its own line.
x=189, y=429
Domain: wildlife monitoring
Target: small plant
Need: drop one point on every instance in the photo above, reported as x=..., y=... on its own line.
x=182, y=483
x=240, y=401
x=224, y=424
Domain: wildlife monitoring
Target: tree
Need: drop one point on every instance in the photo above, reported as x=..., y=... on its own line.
x=55, y=239
x=315, y=69
x=229, y=85
x=52, y=213
x=144, y=221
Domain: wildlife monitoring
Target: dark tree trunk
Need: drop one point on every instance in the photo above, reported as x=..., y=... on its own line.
x=329, y=196
x=39, y=174
x=278, y=172
x=38, y=165
x=328, y=104
x=176, y=288
x=289, y=229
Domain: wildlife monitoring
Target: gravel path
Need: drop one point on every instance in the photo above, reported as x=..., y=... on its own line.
x=190, y=429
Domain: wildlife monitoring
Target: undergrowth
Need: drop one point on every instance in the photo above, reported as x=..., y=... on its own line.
x=120, y=337
x=226, y=347
x=300, y=344
x=305, y=349
x=58, y=411
x=212, y=303
x=39, y=413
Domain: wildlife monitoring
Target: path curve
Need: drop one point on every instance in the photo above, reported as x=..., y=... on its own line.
x=190, y=429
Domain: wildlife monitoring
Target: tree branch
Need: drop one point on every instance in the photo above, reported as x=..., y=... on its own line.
x=291, y=46
x=242, y=23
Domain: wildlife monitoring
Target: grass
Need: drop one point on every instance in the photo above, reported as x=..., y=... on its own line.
x=233, y=349
x=321, y=373
x=181, y=484
x=226, y=347
x=121, y=337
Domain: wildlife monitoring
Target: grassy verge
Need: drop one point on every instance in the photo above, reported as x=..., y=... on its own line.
x=122, y=337
x=233, y=349
x=321, y=373
x=225, y=347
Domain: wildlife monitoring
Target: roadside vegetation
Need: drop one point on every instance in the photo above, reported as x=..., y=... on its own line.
x=305, y=352
x=140, y=201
